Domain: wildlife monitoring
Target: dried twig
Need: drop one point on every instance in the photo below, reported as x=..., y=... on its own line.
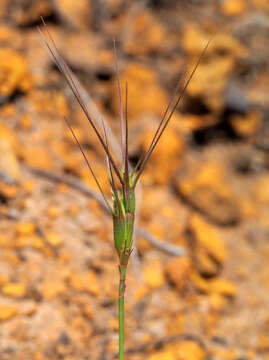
x=86, y=190
x=6, y=178
x=161, y=245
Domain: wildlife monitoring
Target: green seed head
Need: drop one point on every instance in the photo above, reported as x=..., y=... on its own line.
x=123, y=222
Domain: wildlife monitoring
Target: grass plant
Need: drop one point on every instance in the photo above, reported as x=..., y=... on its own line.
x=123, y=179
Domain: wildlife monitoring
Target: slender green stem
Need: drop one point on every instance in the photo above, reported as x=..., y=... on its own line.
x=121, y=311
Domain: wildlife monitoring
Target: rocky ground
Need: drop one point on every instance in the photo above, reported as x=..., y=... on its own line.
x=205, y=192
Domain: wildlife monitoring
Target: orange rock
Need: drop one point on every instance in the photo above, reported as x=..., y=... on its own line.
x=28, y=307
x=261, y=189
x=153, y=200
x=6, y=32
x=64, y=257
x=213, y=73
x=62, y=188
x=60, y=105
x=185, y=350
x=246, y=126
x=53, y=212
x=144, y=92
x=7, y=312
x=51, y=103
x=166, y=156
x=105, y=57
x=8, y=157
x=76, y=13
x=162, y=355
x=71, y=45
x=189, y=350
x=93, y=287
x=153, y=274
x=95, y=208
x=114, y=324
x=4, y=279
x=263, y=342
x=87, y=311
x=247, y=208
x=211, y=322
x=148, y=35
x=143, y=245
x=53, y=288
x=26, y=122
x=29, y=186
x=21, y=241
x=38, y=356
x=206, y=237
x=53, y=239
x=16, y=290
x=140, y=291
x=233, y=7
x=190, y=123
x=37, y=243
x=261, y=4
x=194, y=41
x=86, y=283
x=217, y=302
x=37, y=156
x=101, y=174
x=210, y=82
x=216, y=286
x=200, y=283
x=34, y=11
x=8, y=191
x=168, y=212
x=178, y=271
x=74, y=210
x=223, y=287
x=4, y=241
x=208, y=190
x=10, y=257
x=204, y=263
x=14, y=73
x=156, y=228
x=176, y=324
x=25, y=228
x=8, y=110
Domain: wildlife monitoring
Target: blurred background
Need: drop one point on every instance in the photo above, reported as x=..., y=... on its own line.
x=198, y=284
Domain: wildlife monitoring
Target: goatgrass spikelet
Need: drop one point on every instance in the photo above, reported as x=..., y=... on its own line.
x=123, y=196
